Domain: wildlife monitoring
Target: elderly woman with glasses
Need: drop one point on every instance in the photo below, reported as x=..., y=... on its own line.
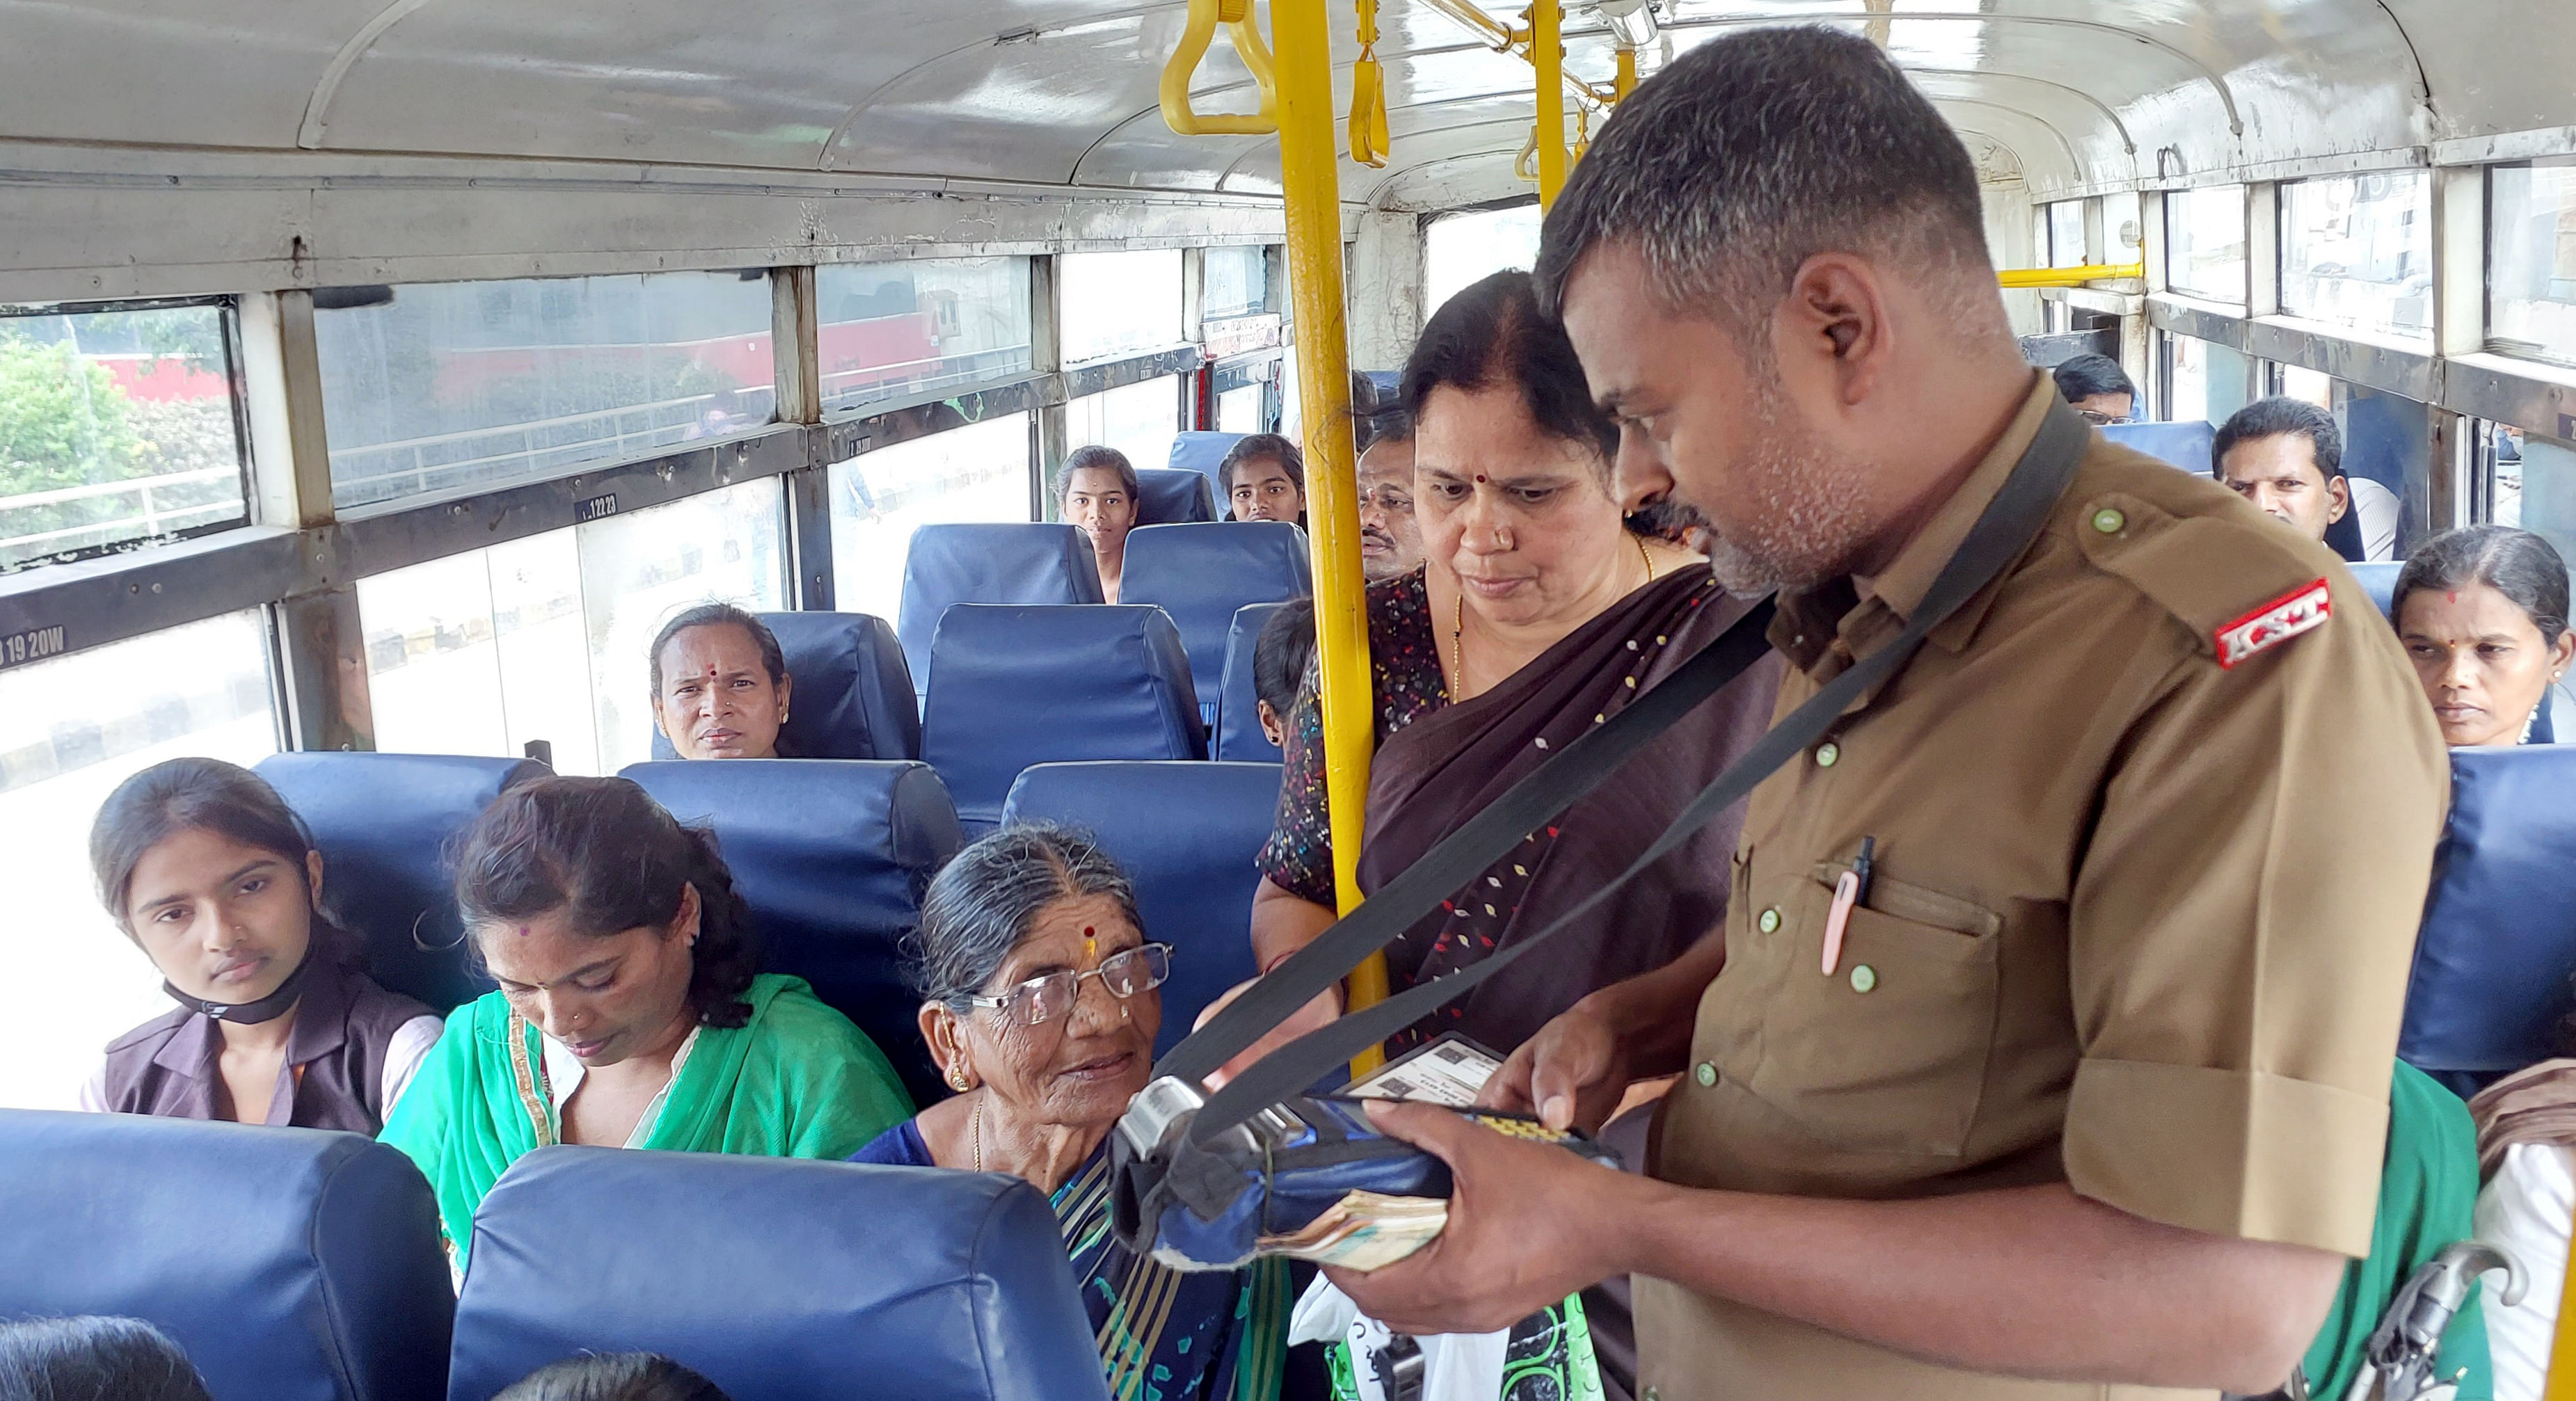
x=1039, y=1002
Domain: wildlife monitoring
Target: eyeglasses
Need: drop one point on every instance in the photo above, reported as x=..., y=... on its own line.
x=2100, y=419
x=1042, y=1000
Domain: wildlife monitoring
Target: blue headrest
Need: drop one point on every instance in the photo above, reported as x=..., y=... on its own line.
x=1200, y=574
x=853, y=696
x=1389, y=383
x=1029, y=686
x=2184, y=444
x=781, y=1279
x=383, y=823
x=2492, y=961
x=831, y=855
x=1202, y=451
x=290, y=1264
x=1165, y=496
x=1238, y=727
x=1010, y=563
x=1186, y=834
x=2380, y=580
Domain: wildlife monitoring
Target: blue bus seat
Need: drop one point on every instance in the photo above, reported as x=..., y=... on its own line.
x=1010, y=563
x=1026, y=686
x=832, y=857
x=1186, y=834
x=1168, y=496
x=781, y=1279
x=2185, y=444
x=290, y=1264
x=853, y=696
x=1200, y=574
x=1238, y=727
x=1203, y=451
x=2490, y=987
x=1388, y=383
x=384, y=823
x=2380, y=580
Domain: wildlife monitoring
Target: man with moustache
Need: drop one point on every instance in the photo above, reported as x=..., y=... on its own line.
x=2086, y=1094
x=1390, y=537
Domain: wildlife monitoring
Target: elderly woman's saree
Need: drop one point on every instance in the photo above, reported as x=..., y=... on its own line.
x=797, y=1080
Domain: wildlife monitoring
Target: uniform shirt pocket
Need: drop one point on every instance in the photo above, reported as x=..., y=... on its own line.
x=1887, y=1054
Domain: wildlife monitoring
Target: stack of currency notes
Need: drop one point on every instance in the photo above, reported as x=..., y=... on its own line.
x=1364, y=1231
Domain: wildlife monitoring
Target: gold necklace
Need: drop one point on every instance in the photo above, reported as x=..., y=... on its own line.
x=978, y=1132
x=1458, y=627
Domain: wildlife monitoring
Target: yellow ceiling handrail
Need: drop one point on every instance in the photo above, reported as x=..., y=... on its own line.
x=1205, y=16
x=2068, y=277
x=1369, y=136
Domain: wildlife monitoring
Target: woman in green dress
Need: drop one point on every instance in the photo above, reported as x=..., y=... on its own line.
x=628, y=1013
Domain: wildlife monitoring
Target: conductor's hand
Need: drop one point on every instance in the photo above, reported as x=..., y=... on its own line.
x=1571, y=1075
x=1529, y=1223
x=1325, y=1008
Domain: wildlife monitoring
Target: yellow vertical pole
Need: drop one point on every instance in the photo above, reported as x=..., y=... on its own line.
x=2559, y=1383
x=1626, y=82
x=1547, y=50
x=1309, y=174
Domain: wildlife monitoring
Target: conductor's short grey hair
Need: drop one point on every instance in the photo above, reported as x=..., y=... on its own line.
x=1753, y=153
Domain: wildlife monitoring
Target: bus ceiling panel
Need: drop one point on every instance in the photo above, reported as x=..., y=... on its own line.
x=220, y=73
x=2496, y=67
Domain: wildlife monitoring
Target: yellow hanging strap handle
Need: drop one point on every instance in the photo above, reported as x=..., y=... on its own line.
x=1205, y=16
x=1369, y=138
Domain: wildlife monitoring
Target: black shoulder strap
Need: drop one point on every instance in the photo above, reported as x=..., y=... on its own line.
x=2008, y=524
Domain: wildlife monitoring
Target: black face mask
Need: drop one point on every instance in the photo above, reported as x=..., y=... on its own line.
x=267, y=1009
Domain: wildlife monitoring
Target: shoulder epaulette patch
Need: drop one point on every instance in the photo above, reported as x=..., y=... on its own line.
x=2303, y=609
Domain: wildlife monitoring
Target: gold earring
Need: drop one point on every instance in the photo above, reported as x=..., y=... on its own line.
x=957, y=1078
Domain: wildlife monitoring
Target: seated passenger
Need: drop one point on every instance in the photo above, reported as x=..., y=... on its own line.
x=212, y=876
x=628, y=1014
x=1096, y=492
x=2097, y=388
x=720, y=685
x=1390, y=536
x=616, y=1376
x=1264, y=479
x=2482, y=611
x=1280, y=659
x=2286, y=456
x=1039, y=1003
x=90, y=1358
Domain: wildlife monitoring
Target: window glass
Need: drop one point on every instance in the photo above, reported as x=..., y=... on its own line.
x=2204, y=380
x=2546, y=502
x=2121, y=228
x=893, y=330
x=2066, y=234
x=444, y=386
x=2357, y=250
x=2205, y=242
x=1139, y=420
x=115, y=426
x=1118, y=303
x=2531, y=260
x=638, y=570
x=1466, y=248
x=1239, y=410
x=80, y=725
x=2311, y=386
x=976, y=472
x=1292, y=408
x=2504, y=452
x=1237, y=283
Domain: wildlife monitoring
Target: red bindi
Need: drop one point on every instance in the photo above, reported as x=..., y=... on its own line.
x=523, y=931
x=2453, y=595
x=1480, y=476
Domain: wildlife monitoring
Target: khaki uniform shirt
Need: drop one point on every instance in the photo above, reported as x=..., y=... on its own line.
x=2140, y=922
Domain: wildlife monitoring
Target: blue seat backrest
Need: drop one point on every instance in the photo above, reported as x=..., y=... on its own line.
x=780, y=1279
x=853, y=695
x=2380, y=580
x=2490, y=986
x=1168, y=496
x=1008, y=563
x=1238, y=731
x=832, y=857
x=1200, y=574
x=384, y=823
x=1388, y=383
x=1203, y=451
x=290, y=1264
x=1186, y=834
x=2185, y=444
x=1026, y=686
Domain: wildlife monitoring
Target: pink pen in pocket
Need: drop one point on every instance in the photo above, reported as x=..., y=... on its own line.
x=1850, y=890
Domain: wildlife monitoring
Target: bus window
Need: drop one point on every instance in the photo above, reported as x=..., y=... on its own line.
x=2531, y=268
x=978, y=472
x=1118, y=303
x=478, y=384
x=1465, y=248
x=83, y=724
x=1236, y=282
x=2205, y=242
x=894, y=330
x=2357, y=250
x=115, y=426
x=1139, y=420
x=481, y=653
